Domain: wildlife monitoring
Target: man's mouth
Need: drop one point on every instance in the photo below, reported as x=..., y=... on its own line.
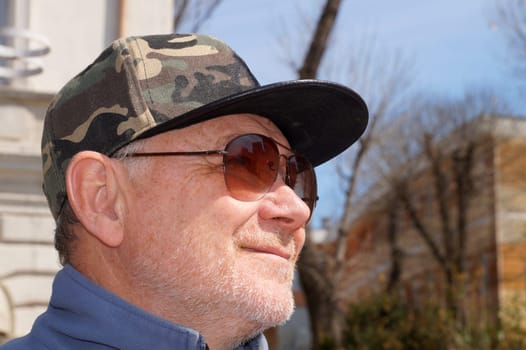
x=277, y=251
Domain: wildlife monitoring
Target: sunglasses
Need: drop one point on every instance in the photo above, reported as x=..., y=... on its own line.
x=251, y=164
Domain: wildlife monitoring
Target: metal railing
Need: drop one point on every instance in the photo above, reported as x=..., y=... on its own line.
x=20, y=52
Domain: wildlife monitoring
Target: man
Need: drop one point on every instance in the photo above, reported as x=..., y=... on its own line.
x=181, y=189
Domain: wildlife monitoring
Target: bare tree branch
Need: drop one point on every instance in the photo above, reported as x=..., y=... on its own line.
x=440, y=150
x=511, y=19
x=440, y=182
x=204, y=12
x=317, y=48
x=196, y=13
x=180, y=7
x=421, y=227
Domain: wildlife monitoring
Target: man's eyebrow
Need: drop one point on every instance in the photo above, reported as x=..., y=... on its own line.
x=282, y=145
x=223, y=140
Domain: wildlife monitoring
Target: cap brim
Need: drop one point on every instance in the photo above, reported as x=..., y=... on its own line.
x=319, y=119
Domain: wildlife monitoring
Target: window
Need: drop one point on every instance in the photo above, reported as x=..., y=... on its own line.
x=4, y=13
x=5, y=21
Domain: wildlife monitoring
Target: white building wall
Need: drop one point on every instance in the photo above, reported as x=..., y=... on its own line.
x=77, y=31
x=27, y=257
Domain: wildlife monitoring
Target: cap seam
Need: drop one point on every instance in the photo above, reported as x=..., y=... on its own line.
x=145, y=75
x=131, y=73
x=56, y=170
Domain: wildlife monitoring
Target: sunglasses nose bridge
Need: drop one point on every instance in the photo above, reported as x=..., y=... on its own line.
x=283, y=169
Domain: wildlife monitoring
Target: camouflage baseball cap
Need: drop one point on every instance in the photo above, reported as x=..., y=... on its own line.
x=142, y=86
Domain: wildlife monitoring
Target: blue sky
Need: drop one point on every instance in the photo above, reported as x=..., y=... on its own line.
x=453, y=46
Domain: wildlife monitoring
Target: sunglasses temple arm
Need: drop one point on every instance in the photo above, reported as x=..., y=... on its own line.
x=167, y=154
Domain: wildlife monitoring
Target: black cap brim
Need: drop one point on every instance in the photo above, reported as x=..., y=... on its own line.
x=319, y=119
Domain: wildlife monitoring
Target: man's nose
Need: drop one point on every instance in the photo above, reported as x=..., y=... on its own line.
x=283, y=205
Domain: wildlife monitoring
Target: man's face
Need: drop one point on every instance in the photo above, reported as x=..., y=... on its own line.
x=202, y=253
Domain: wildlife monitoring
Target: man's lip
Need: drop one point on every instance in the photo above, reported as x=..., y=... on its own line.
x=270, y=250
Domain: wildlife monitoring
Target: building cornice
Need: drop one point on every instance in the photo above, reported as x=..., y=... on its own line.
x=24, y=95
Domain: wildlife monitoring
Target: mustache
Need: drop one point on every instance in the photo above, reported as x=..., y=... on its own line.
x=270, y=239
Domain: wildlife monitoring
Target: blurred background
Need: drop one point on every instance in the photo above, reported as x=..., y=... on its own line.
x=419, y=237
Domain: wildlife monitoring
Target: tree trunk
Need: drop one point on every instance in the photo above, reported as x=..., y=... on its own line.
x=396, y=254
x=318, y=44
x=318, y=287
x=319, y=295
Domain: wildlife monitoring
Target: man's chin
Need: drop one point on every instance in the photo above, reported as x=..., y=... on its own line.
x=275, y=308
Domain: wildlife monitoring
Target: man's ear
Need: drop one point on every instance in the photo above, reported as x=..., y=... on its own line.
x=94, y=195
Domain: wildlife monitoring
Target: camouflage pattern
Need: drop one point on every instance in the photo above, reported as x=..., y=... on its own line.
x=134, y=85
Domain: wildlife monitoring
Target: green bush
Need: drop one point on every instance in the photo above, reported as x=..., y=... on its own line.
x=512, y=333
x=386, y=323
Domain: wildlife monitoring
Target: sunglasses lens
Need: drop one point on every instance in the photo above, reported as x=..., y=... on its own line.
x=252, y=163
x=302, y=179
x=251, y=166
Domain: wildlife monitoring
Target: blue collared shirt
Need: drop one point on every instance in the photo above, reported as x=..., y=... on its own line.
x=83, y=316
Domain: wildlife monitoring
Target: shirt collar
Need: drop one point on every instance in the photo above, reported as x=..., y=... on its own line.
x=87, y=311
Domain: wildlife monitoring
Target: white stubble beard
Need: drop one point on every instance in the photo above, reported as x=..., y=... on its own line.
x=219, y=290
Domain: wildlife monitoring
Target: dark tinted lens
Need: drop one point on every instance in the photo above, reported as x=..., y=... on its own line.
x=302, y=179
x=251, y=166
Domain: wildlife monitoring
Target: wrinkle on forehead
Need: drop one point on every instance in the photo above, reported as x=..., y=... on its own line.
x=249, y=124
x=217, y=132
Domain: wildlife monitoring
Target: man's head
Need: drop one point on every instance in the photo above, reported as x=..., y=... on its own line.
x=185, y=233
